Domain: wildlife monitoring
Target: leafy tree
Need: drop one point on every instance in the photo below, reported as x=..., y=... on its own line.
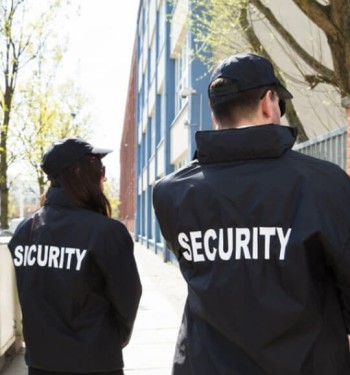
x=232, y=25
x=23, y=34
x=52, y=112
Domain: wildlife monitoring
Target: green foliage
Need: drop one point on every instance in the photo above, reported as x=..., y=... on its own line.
x=52, y=112
x=112, y=193
x=33, y=110
x=216, y=25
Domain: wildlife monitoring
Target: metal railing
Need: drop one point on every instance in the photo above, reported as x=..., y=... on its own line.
x=331, y=147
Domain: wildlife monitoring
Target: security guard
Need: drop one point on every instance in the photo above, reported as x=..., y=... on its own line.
x=262, y=235
x=77, y=278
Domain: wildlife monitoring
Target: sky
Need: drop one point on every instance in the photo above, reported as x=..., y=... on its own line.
x=101, y=40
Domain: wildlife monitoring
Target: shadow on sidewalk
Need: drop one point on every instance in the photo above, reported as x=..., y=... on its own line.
x=14, y=364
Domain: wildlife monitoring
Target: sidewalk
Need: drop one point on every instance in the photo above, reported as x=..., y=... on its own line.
x=151, y=349
x=152, y=346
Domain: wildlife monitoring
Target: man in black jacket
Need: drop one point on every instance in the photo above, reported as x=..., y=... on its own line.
x=262, y=235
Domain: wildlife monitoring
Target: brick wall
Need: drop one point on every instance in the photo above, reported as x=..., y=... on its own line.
x=127, y=154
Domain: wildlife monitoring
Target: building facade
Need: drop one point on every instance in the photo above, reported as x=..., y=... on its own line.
x=171, y=105
x=127, y=153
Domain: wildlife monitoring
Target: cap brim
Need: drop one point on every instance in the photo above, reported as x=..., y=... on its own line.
x=101, y=151
x=283, y=93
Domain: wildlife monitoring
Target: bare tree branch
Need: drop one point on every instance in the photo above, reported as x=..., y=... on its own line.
x=255, y=42
x=319, y=14
x=322, y=70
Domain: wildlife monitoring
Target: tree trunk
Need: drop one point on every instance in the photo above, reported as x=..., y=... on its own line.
x=4, y=201
x=41, y=183
x=340, y=44
x=3, y=174
x=4, y=190
x=294, y=120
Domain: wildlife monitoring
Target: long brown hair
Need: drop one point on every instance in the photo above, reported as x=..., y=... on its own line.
x=82, y=182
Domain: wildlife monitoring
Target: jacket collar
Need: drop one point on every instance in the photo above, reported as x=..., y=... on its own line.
x=56, y=196
x=254, y=142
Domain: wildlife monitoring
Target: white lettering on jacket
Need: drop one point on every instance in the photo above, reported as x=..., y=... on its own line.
x=49, y=256
x=239, y=243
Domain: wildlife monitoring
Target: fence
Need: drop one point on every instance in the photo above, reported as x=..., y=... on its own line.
x=331, y=147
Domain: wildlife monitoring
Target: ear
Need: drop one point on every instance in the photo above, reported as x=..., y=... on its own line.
x=215, y=121
x=266, y=106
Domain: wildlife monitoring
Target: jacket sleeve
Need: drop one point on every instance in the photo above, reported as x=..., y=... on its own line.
x=161, y=205
x=336, y=243
x=341, y=268
x=123, y=287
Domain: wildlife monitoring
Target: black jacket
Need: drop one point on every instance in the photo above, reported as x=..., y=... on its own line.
x=262, y=236
x=78, y=286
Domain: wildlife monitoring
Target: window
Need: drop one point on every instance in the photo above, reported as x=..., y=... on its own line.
x=152, y=60
x=181, y=76
x=161, y=121
x=153, y=133
x=180, y=163
x=145, y=88
x=161, y=27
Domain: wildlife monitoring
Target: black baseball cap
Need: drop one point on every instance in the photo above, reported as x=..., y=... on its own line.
x=65, y=153
x=246, y=71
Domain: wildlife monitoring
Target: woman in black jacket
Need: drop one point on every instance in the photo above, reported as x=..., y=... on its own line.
x=77, y=278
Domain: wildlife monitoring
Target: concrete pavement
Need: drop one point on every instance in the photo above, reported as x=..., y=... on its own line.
x=151, y=349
